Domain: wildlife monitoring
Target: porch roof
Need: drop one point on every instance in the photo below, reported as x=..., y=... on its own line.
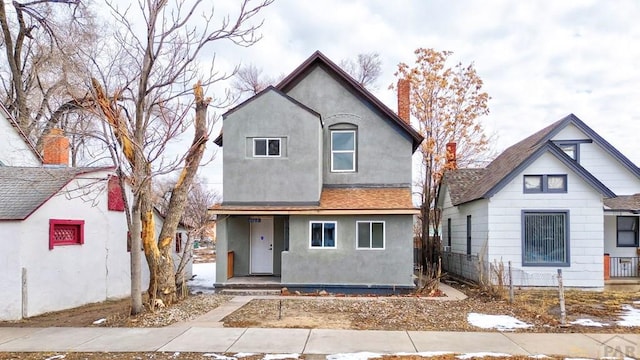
x=623, y=203
x=335, y=201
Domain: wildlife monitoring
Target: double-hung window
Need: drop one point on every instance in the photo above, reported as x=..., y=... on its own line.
x=322, y=234
x=266, y=147
x=627, y=228
x=343, y=150
x=545, y=183
x=545, y=238
x=65, y=232
x=370, y=234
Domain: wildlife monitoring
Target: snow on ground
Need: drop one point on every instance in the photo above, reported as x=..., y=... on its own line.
x=588, y=322
x=481, y=355
x=205, y=276
x=499, y=322
x=630, y=316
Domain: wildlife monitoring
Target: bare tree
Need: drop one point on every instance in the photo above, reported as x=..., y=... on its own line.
x=365, y=69
x=145, y=108
x=250, y=80
x=447, y=103
x=41, y=68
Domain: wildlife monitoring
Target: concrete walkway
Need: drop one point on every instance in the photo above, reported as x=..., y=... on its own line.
x=315, y=341
x=207, y=334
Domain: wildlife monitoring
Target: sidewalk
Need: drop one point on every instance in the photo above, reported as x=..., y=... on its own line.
x=207, y=334
x=315, y=341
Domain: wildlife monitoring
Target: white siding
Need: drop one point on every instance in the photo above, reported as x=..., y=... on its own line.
x=585, y=223
x=13, y=149
x=602, y=165
x=610, y=236
x=458, y=215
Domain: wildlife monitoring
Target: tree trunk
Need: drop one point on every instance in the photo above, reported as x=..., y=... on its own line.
x=162, y=285
x=136, y=261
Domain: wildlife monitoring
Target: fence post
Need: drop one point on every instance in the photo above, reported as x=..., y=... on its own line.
x=510, y=284
x=563, y=311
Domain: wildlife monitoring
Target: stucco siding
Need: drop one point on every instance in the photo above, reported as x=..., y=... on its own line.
x=10, y=271
x=602, y=165
x=581, y=201
x=13, y=150
x=72, y=275
x=380, y=144
x=346, y=265
x=269, y=179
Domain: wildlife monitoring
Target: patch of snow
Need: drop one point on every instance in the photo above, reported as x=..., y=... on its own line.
x=630, y=316
x=499, y=322
x=539, y=356
x=243, y=355
x=425, y=353
x=636, y=302
x=218, y=357
x=204, y=275
x=280, y=356
x=56, y=357
x=481, y=355
x=354, y=356
x=99, y=321
x=588, y=322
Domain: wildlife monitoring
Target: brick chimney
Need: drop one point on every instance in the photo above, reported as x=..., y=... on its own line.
x=404, y=90
x=55, y=148
x=452, y=162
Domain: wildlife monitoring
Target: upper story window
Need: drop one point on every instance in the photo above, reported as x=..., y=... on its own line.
x=545, y=183
x=343, y=150
x=266, y=147
x=570, y=149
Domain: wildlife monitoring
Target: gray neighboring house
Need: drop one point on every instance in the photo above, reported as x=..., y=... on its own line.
x=317, y=186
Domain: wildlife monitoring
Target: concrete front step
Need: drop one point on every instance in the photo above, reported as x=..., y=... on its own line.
x=250, y=292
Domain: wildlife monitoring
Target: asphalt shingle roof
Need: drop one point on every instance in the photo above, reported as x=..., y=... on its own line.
x=471, y=184
x=24, y=189
x=340, y=199
x=624, y=202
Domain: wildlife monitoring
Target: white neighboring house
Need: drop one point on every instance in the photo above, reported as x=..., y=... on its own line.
x=15, y=147
x=62, y=229
x=563, y=198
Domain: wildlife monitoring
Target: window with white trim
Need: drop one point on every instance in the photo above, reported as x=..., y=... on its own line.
x=545, y=183
x=370, y=234
x=545, y=238
x=266, y=147
x=343, y=150
x=322, y=234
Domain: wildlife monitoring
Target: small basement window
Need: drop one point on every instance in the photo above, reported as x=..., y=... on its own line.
x=65, y=232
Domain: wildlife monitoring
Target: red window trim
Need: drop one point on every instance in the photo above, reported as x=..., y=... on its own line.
x=63, y=222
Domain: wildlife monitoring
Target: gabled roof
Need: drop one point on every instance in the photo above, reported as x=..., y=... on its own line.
x=337, y=201
x=24, y=136
x=218, y=140
x=517, y=157
x=25, y=189
x=319, y=59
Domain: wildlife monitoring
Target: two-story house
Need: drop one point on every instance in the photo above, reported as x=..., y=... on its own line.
x=563, y=198
x=317, y=186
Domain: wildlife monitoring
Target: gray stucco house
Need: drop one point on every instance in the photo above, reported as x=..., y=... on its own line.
x=317, y=186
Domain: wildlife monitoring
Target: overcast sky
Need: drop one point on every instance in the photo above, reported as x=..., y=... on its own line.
x=539, y=60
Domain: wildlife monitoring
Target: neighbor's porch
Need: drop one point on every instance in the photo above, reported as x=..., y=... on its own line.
x=621, y=250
